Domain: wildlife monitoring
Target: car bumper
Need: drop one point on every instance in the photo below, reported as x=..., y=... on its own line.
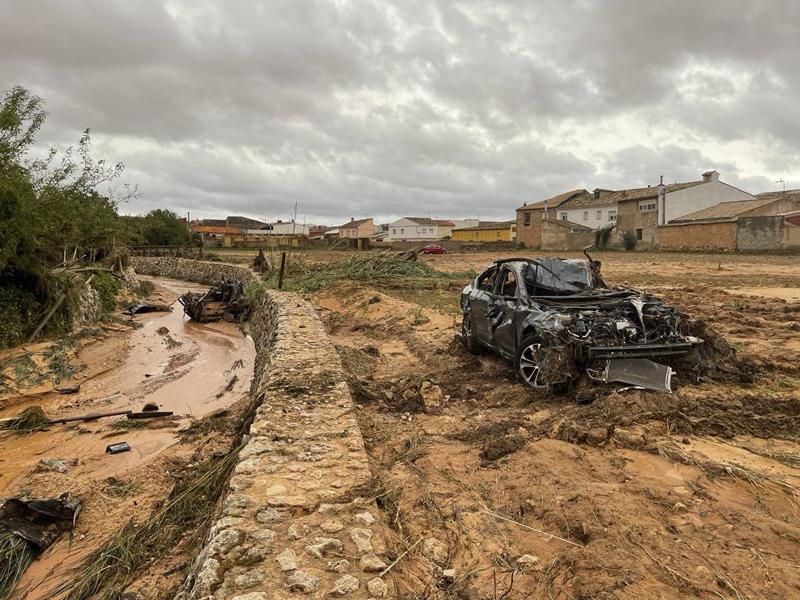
x=639, y=350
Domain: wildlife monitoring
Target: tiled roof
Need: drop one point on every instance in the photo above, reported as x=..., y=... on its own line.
x=588, y=201
x=353, y=224
x=243, y=222
x=570, y=224
x=728, y=210
x=648, y=192
x=444, y=222
x=555, y=201
x=793, y=195
x=489, y=225
x=422, y=220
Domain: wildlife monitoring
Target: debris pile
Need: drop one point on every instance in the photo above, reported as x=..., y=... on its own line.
x=226, y=301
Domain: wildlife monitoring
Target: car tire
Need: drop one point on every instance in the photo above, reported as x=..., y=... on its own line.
x=468, y=335
x=526, y=362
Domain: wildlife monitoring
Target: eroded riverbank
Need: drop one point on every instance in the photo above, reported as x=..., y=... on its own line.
x=202, y=373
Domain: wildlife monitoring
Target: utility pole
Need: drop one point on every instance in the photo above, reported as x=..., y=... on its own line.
x=781, y=180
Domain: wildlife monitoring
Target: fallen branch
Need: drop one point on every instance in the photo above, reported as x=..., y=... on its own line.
x=488, y=512
x=399, y=558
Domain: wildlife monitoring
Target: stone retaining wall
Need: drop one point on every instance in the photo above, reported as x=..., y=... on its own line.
x=293, y=522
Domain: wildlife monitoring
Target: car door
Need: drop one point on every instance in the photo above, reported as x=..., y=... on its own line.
x=479, y=304
x=502, y=312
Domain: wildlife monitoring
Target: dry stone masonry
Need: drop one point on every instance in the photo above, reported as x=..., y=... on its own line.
x=293, y=523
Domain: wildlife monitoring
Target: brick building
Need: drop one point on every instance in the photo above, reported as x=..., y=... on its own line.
x=530, y=216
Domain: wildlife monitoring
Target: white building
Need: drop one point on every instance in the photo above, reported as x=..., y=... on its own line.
x=422, y=229
x=280, y=228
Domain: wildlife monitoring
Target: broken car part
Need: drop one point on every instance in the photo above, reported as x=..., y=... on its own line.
x=640, y=372
x=117, y=448
x=224, y=301
x=138, y=309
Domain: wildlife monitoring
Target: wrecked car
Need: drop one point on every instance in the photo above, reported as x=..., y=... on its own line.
x=225, y=301
x=557, y=320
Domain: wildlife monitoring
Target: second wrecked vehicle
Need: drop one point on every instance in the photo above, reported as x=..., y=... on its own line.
x=557, y=319
x=225, y=301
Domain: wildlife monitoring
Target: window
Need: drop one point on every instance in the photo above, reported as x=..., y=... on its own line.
x=599, y=215
x=563, y=216
x=612, y=215
x=394, y=230
x=647, y=206
x=638, y=234
x=527, y=218
x=586, y=215
x=486, y=280
x=509, y=284
x=402, y=230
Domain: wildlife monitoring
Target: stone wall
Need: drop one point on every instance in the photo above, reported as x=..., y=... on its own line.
x=759, y=233
x=293, y=522
x=698, y=236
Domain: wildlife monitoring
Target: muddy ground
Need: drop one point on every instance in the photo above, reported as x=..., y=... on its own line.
x=201, y=372
x=636, y=495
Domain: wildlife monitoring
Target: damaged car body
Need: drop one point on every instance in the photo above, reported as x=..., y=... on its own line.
x=556, y=319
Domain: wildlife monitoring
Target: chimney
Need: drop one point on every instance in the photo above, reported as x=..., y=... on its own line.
x=710, y=176
x=524, y=204
x=352, y=219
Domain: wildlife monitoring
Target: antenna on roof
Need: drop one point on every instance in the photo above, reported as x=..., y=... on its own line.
x=784, y=185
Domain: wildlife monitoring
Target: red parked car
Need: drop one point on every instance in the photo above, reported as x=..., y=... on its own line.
x=433, y=249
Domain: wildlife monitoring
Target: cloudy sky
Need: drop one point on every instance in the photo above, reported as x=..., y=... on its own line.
x=431, y=107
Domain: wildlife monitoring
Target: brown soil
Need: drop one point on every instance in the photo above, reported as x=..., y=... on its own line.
x=186, y=369
x=638, y=494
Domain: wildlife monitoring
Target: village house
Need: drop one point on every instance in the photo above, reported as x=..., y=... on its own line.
x=530, y=216
x=765, y=223
x=595, y=210
x=355, y=229
x=414, y=229
x=487, y=231
x=642, y=210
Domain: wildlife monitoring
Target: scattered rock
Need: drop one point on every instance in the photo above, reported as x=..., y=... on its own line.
x=267, y=536
x=268, y=515
x=364, y=518
x=338, y=566
x=58, y=465
x=528, y=562
x=162, y=331
x=361, y=538
x=371, y=563
x=254, y=555
x=297, y=531
x=322, y=545
x=300, y=581
x=249, y=579
x=347, y=584
x=225, y=540
x=435, y=551
x=378, y=588
x=449, y=575
x=431, y=396
x=331, y=526
x=287, y=560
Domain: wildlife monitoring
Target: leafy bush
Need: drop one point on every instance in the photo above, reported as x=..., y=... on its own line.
x=629, y=240
x=107, y=287
x=602, y=236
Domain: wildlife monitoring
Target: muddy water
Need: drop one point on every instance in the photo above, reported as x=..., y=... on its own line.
x=191, y=369
x=185, y=371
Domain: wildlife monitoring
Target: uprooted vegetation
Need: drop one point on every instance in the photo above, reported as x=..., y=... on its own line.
x=635, y=493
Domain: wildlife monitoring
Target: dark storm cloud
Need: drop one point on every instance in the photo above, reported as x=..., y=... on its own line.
x=379, y=108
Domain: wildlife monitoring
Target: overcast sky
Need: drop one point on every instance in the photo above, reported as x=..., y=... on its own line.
x=384, y=109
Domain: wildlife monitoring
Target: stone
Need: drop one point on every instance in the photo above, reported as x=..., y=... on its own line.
x=347, y=584
x=287, y=560
x=528, y=562
x=431, y=396
x=225, y=540
x=322, y=545
x=254, y=555
x=596, y=436
x=378, y=588
x=297, y=531
x=435, y=550
x=338, y=566
x=249, y=579
x=364, y=518
x=208, y=578
x=298, y=501
x=361, y=538
x=449, y=575
x=300, y=581
x=331, y=526
x=268, y=515
x=267, y=536
x=251, y=596
x=371, y=563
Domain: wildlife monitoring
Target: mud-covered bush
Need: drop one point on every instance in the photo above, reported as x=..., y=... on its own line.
x=629, y=240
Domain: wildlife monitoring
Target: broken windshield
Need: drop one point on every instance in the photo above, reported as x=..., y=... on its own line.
x=553, y=276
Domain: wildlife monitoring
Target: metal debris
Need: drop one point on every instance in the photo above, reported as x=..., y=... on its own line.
x=224, y=301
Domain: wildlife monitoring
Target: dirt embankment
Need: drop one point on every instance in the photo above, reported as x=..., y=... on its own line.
x=200, y=372
x=498, y=491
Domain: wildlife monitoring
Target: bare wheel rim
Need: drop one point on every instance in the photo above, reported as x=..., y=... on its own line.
x=529, y=366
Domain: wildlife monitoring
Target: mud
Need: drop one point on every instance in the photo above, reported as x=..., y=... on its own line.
x=635, y=494
x=194, y=370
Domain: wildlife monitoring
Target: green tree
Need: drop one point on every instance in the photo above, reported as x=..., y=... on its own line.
x=161, y=227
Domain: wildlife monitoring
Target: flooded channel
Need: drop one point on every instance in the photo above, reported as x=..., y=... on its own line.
x=194, y=370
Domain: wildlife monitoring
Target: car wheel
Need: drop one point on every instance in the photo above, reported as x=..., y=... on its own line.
x=528, y=361
x=468, y=335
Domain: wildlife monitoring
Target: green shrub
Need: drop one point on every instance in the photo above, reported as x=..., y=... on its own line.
x=107, y=288
x=602, y=236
